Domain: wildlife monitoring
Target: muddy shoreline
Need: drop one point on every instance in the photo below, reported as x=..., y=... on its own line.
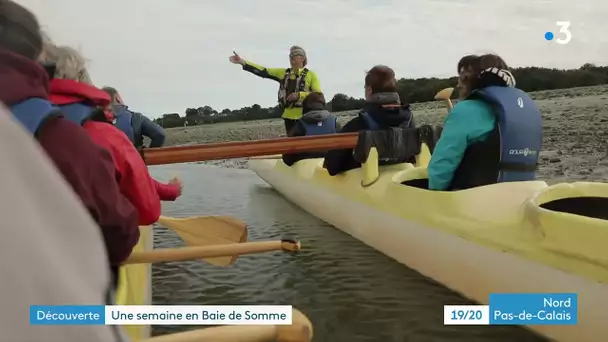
x=575, y=134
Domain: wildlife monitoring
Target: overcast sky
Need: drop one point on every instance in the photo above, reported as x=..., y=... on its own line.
x=167, y=55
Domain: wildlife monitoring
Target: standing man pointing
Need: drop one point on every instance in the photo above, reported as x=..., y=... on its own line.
x=295, y=82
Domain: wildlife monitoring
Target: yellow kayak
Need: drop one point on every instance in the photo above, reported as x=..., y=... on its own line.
x=491, y=239
x=135, y=285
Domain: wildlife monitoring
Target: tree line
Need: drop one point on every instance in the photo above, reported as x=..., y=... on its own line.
x=410, y=90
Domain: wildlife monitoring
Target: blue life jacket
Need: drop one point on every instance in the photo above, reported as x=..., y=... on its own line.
x=33, y=112
x=78, y=112
x=371, y=123
x=326, y=126
x=123, y=121
x=519, y=124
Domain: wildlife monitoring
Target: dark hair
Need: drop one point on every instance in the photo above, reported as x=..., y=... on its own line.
x=491, y=61
x=19, y=30
x=381, y=79
x=477, y=64
x=314, y=97
x=480, y=63
x=313, y=101
x=468, y=61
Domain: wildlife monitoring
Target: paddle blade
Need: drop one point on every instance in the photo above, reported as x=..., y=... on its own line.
x=207, y=231
x=444, y=94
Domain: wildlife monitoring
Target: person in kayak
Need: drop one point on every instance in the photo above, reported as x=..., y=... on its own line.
x=316, y=120
x=493, y=135
x=382, y=110
x=295, y=82
x=71, y=90
x=54, y=249
x=86, y=166
x=135, y=125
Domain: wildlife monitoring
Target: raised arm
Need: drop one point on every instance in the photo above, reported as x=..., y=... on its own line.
x=275, y=74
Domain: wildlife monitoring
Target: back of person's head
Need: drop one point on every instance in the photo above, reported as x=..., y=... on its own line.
x=380, y=79
x=491, y=61
x=494, y=71
x=70, y=64
x=114, y=95
x=313, y=101
x=467, y=62
x=19, y=30
x=471, y=68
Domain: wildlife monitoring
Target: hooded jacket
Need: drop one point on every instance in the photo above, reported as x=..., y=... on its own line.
x=86, y=166
x=135, y=182
x=384, y=109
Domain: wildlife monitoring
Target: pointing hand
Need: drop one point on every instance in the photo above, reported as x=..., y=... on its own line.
x=236, y=59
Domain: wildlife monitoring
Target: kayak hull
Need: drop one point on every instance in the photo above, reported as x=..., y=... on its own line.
x=135, y=284
x=462, y=240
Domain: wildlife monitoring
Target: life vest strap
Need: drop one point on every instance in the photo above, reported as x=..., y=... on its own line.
x=300, y=82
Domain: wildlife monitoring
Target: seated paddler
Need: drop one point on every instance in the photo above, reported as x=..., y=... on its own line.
x=316, y=120
x=492, y=135
x=383, y=110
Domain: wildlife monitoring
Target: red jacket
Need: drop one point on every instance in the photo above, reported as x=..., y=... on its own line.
x=86, y=166
x=135, y=182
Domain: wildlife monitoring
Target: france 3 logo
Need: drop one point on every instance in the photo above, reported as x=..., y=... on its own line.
x=564, y=32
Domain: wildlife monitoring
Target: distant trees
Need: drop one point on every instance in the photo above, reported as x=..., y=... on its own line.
x=410, y=91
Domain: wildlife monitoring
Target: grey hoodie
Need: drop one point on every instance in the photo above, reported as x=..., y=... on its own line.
x=53, y=252
x=315, y=116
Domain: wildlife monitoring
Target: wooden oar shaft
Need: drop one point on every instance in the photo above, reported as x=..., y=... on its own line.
x=241, y=149
x=193, y=253
x=252, y=333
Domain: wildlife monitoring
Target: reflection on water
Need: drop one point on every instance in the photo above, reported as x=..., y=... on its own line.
x=349, y=291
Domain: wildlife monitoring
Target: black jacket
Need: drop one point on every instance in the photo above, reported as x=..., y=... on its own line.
x=298, y=130
x=385, y=115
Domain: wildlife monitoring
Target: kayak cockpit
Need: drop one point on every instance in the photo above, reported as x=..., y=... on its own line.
x=440, y=208
x=572, y=219
x=588, y=206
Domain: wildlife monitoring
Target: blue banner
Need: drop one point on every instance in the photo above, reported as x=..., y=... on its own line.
x=67, y=315
x=533, y=308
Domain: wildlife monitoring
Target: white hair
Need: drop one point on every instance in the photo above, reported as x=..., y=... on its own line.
x=69, y=62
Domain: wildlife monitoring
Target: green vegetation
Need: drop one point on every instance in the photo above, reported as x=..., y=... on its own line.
x=411, y=91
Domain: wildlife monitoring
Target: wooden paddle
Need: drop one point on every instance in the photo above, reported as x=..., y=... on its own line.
x=445, y=95
x=239, y=149
x=202, y=231
x=218, y=255
x=299, y=331
x=207, y=230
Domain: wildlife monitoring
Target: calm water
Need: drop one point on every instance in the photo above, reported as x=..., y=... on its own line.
x=349, y=291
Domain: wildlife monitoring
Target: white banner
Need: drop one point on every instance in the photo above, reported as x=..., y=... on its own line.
x=198, y=314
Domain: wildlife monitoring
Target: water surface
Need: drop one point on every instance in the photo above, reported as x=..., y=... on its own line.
x=350, y=292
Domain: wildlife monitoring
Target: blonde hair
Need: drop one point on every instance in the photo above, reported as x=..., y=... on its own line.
x=69, y=62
